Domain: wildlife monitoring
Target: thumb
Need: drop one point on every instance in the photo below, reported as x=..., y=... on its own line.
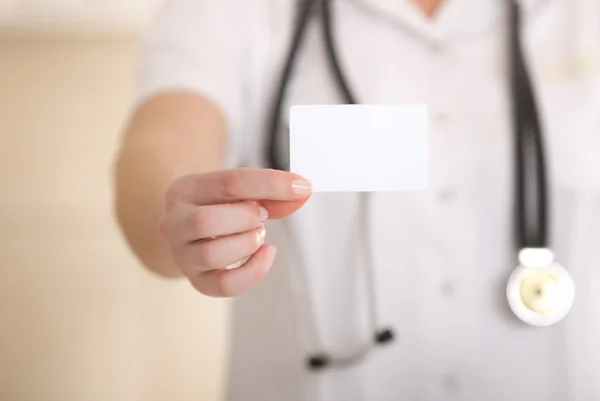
x=282, y=209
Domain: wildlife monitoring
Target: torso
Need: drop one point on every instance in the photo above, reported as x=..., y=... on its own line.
x=442, y=256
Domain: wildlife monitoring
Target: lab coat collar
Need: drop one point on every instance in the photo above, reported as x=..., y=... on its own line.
x=406, y=14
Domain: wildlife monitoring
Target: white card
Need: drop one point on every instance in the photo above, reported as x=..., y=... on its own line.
x=360, y=148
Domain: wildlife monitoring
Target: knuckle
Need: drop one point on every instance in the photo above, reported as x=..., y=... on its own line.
x=215, y=284
x=181, y=262
x=184, y=263
x=275, y=186
x=174, y=191
x=207, y=256
x=185, y=257
x=245, y=213
x=277, y=183
x=199, y=284
x=202, y=222
x=252, y=241
x=164, y=226
x=249, y=216
x=225, y=287
x=232, y=183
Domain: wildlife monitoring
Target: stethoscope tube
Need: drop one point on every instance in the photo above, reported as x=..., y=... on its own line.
x=337, y=70
x=531, y=189
x=381, y=336
x=531, y=197
x=540, y=291
x=274, y=119
x=320, y=359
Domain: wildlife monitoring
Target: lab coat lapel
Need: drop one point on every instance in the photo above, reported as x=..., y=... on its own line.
x=406, y=13
x=403, y=14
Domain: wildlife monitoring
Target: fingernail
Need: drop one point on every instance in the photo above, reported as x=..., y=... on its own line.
x=264, y=214
x=262, y=233
x=237, y=264
x=301, y=187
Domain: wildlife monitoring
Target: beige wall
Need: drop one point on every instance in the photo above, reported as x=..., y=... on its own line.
x=79, y=318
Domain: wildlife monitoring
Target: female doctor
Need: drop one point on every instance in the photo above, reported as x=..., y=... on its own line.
x=484, y=287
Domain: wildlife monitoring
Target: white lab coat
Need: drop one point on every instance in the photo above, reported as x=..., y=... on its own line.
x=442, y=257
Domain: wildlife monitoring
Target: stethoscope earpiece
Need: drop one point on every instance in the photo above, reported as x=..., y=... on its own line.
x=318, y=362
x=384, y=336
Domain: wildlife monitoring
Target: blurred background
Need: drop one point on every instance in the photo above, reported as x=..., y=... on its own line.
x=80, y=319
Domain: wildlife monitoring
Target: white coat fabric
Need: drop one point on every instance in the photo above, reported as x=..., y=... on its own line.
x=442, y=256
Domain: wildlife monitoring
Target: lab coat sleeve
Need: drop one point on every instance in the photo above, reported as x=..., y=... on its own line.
x=199, y=46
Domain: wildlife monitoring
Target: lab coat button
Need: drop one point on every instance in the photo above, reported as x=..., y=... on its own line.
x=446, y=195
x=438, y=47
x=440, y=118
x=451, y=382
x=447, y=289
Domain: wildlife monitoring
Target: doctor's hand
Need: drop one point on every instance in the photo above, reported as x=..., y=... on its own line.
x=214, y=221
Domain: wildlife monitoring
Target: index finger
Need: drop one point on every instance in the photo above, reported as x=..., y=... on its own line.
x=243, y=184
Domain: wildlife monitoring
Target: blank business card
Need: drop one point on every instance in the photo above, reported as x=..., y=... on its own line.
x=360, y=148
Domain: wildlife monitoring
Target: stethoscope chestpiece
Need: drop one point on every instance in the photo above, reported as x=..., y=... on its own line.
x=540, y=292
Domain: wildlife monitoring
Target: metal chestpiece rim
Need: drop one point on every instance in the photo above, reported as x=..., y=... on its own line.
x=540, y=292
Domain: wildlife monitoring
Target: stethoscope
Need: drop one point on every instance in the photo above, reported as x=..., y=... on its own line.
x=540, y=291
